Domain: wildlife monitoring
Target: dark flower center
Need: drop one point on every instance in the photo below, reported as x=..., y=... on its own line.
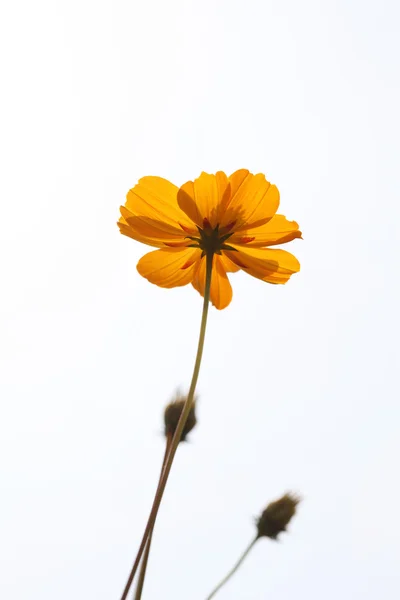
x=212, y=240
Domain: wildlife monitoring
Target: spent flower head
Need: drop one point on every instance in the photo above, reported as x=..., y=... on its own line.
x=274, y=519
x=172, y=413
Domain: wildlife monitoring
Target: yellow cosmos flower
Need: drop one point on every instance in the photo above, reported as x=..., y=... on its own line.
x=233, y=219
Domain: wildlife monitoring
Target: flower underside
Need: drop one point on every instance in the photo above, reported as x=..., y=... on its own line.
x=232, y=219
x=211, y=240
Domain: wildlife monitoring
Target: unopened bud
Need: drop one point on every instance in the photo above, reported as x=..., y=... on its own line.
x=276, y=516
x=172, y=415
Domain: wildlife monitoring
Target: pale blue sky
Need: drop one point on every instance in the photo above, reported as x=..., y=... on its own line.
x=299, y=386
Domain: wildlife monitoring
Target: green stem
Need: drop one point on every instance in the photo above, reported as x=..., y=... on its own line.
x=178, y=432
x=233, y=570
x=145, y=559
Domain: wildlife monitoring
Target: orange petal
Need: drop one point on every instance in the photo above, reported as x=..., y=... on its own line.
x=276, y=231
x=156, y=199
x=125, y=229
x=205, y=198
x=168, y=267
x=254, y=200
x=221, y=290
x=199, y=276
x=274, y=266
x=228, y=265
x=152, y=232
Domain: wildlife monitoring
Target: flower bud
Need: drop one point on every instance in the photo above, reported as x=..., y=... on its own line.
x=276, y=516
x=172, y=414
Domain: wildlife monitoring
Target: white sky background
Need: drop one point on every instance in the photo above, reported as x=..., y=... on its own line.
x=298, y=388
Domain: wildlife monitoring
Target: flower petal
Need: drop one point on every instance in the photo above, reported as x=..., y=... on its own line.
x=205, y=198
x=254, y=200
x=156, y=198
x=169, y=267
x=274, y=266
x=276, y=231
x=152, y=232
x=221, y=290
x=228, y=265
x=127, y=230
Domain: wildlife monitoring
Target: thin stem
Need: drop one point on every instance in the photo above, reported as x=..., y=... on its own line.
x=143, y=568
x=178, y=432
x=145, y=559
x=233, y=570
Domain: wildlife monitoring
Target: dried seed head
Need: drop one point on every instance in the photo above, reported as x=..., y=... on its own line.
x=172, y=414
x=276, y=516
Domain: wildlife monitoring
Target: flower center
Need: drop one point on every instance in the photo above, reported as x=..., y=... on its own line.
x=212, y=240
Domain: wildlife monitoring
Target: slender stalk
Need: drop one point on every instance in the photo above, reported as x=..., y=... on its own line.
x=143, y=565
x=233, y=570
x=143, y=568
x=178, y=432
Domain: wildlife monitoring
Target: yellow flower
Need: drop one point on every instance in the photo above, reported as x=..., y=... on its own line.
x=232, y=218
